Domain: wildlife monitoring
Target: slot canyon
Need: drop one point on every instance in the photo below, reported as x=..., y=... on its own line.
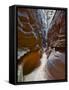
x=41, y=44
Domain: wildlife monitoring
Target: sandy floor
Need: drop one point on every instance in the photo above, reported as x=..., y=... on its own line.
x=39, y=73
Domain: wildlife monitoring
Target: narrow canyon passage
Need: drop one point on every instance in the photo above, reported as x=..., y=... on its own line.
x=41, y=44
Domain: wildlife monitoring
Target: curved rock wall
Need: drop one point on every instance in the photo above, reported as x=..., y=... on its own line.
x=56, y=32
